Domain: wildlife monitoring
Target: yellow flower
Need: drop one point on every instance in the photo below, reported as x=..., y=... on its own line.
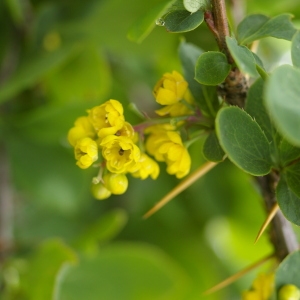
x=126, y=130
x=158, y=135
x=86, y=152
x=176, y=155
x=170, y=88
x=178, y=109
x=116, y=183
x=262, y=288
x=82, y=128
x=107, y=118
x=100, y=192
x=121, y=154
x=167, y=146
x=147, y=167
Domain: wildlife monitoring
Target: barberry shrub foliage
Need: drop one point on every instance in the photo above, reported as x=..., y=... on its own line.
x=212, y=92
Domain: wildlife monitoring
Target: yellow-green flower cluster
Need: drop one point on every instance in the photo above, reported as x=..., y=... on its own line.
x=105, y=133
x=103, y=138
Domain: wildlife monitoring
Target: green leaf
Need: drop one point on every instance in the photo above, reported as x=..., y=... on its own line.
x=242, y=56
x=183, y=20
x=282, y=101
x=288, y=271
x=44, y=268
x=243, y=141
x=212, y=68
x=295, y=50
x=193, y=5
x=103, y=230
x=279, y=27
x=288, y=202
x=287, y=152
x=88, y=78
x=143, y=26
x=293, y=178
x=212, y=149
x=33, y=69
x=125, y=271
x=250, y=25
x=256, y=109
x=206, y=96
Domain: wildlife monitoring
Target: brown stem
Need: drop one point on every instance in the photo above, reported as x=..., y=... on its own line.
x=282, y=235
x=235, y=87
x=234, y=91
x=221, y=25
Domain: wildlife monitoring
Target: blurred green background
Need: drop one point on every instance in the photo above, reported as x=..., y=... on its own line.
x=59, y=58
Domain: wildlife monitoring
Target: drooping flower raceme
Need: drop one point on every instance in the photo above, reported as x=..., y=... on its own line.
x=104, y=138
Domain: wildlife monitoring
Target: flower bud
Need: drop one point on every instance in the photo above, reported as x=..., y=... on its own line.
x=289, y=292
x=116, y=183
x=100, y=192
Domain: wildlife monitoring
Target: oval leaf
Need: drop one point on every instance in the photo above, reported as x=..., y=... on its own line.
x=282, y=101
x=279, y=27
x=295, y=51
x=288, y=152
x=293, y=178
x=124, y=271
x=212, y=149
x=44, y=268
x=212, y=68
x=256, y=109
x=243, y=141
x=250, y=25
x=183, y=20
x=288, y=271
x=206, y=95
x=242, y=56
x=288, y=202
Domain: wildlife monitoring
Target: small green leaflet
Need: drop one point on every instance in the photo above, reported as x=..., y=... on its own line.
x=243, y=141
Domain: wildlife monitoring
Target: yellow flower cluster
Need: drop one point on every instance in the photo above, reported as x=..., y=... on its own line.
x=104, y=136
x=262, y=288
x=105, y=131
